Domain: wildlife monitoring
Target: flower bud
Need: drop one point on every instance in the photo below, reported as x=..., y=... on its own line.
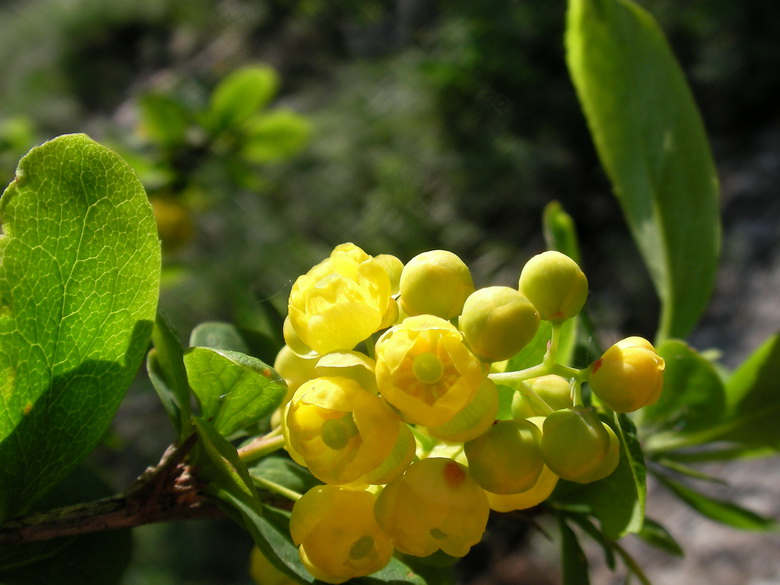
x=553, y=391
x=628, y=376
x=574, y=442
x=475, y=418
x=264, y=573
x=435, y=283
x=555, y=285
x=498, y=322
x=508, y=458
x=393, y=266
x=294, y=369
x=339, y=430
x=337, y=535
x=535, y=495
x=435, y=505
x=425, y=371
x=348, y=364
x=341, y=301
x=608, y=464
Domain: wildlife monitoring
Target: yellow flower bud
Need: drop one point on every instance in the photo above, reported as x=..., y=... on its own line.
x=435, y=505
x=264, y=573
x=393, y=266
x=341, y=301
x=498, y=322
x=508, y=458
x=575, y=442
x=555, y=285
x=294, y=368
x=628, y=376
x=435, y=283
x=608, y=464
x=339, y=430
x=535, y=495
x=552, y=390
x=425, y=371
x=349, y=364
x=475, y=419
x=337, y=535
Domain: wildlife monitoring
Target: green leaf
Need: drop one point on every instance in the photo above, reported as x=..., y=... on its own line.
x=652, y=144
x=218, y=461
x=721, y=511
x=218, y=335
x=590, y=529
x=79, y=281
x=693, y=397
x=164, y=119
x=573, y=559
x=560, y=232
x=274, y=136
x=658, y=536
x=165, y=365
x=239, y=95
x=89, y=558
x=234, y=389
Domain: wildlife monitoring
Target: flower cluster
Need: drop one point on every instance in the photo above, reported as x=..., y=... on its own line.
x=394, y=373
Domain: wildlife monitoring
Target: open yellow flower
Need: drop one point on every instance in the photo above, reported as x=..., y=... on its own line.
x=425, y=371
x=341, y=431
x=340, y=301
x=337, y=535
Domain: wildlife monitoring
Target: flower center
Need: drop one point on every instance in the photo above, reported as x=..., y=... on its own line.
x=427, y=368
x=336, y=432
x=361, y=548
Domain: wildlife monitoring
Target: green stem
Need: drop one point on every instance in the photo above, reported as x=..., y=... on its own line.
x=262, y=446
x=276, y=488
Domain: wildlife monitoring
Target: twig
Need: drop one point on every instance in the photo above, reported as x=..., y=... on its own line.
x=167, y=492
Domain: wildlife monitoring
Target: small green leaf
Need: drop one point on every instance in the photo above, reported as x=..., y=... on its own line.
x=590, y=529
x=573, y=559
x=274, y=136
x=721, y=511
x=234, y=389
x=79, y=281
x=164, y=119
x=559, y=231
x=218, y=461
x=218, y=335
x=652, y=144
x=239, y=95
x=693, y=397
x=165, y=365
x=658, y=536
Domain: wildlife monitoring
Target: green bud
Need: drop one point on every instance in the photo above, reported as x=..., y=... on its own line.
x=507, y=459
x=608, y=464
x=574, y=442
x=498, y=322
x=555, y=285
x=435, y=283
x=552, y=390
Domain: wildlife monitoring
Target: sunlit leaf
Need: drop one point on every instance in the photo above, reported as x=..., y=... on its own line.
x=79, y=281
x=652, y=144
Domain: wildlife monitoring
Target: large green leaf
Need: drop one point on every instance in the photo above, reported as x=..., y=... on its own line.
x=79, y=280
x=652, y=144
x=234, y=389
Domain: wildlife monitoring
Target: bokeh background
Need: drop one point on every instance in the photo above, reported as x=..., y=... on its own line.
x=400, y=125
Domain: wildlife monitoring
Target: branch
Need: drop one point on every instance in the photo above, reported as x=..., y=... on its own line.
x=163, y=493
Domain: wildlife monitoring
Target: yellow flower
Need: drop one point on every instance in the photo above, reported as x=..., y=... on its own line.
x=435, y=505
x=337, y=535
x=425, y=371
x=628, y=376
x=339, y=430
x=341, y=301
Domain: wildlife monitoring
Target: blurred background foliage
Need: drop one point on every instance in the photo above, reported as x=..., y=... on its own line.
x=401, y=125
